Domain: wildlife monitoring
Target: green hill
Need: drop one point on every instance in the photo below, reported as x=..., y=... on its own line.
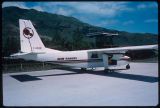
x=60, y=32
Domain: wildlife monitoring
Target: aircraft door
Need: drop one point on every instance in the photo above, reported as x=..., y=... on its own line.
x=111, y=61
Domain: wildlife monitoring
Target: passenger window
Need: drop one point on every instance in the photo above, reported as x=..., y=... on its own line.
x=94, y=55
x=60, y=58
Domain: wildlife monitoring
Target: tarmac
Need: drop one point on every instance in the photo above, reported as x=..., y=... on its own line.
x=137, y=86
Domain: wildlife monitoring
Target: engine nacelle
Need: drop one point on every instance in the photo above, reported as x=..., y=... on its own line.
x=127, y=58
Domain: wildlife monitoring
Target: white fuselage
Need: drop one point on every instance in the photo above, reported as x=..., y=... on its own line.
x=82, y=58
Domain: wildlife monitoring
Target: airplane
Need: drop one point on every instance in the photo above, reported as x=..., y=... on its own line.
x=32, y=48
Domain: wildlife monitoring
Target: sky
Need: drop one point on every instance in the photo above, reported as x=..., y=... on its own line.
x=135, y=17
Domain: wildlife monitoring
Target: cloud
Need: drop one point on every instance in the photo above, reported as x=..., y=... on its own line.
x=128, y=22
x=39, y=8
x=62, y=11
x=18, y=4
x=151, y=21
x=107, y=9
x=22, y=5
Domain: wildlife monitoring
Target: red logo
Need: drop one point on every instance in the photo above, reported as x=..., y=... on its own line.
x=28, y=32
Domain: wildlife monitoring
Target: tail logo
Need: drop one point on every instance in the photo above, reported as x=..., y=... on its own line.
x=28, y=32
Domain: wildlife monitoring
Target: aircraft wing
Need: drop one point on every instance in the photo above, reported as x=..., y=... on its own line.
x=124, y=49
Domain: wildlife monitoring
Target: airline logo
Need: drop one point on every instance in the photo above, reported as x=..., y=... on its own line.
x=28, y=32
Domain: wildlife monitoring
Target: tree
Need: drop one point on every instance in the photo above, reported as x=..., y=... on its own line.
x=77, y=39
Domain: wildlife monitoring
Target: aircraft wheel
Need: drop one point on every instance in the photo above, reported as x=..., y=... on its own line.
x=128, y=66
x=83, y=69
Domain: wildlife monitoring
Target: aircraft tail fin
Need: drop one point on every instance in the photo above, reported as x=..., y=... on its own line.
x=29, y=39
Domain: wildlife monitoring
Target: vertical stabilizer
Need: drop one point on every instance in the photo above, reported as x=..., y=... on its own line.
x=29, y=38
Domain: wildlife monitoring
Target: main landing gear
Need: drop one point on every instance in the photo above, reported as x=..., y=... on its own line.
x=112, y=70
x=128, y=66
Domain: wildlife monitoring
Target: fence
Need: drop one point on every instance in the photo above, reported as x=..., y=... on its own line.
x=19, y=67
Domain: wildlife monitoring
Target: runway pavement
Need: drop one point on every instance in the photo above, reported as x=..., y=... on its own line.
x=73, y=87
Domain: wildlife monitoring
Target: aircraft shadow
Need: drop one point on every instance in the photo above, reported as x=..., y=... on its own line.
x=58, y=74
x=26, y=78
x=116, y=74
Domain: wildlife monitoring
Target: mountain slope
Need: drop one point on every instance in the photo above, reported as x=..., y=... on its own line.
x=60, y=32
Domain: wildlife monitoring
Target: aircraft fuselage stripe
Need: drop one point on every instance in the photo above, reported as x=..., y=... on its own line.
x=77, y=61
